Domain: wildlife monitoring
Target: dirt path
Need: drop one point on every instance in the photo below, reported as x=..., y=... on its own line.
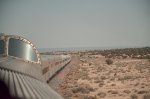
x=90, y=77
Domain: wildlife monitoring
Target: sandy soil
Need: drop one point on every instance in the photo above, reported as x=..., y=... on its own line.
x=90, y=77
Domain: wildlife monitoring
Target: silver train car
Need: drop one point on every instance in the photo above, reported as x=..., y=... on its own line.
x=52, y=65
x=22, y=72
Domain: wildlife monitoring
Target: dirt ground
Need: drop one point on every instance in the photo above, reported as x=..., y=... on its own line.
x=90, y=77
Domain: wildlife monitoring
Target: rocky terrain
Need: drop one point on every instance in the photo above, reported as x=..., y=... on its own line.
x=94, y=75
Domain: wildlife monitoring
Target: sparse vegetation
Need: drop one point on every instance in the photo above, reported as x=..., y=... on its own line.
x=136, y=84
x=146, y=96
x=103, y=77
x=80, y=89
x=138, y=53
x=90, y=97
x=113, y=91
x=83, y=89
x=134, y=96
x=101, y=94
x=126, y=79
x=113, y=84
x=101, y=84
x=109, y=61
x=127, y=91
x=98, y=80
x=142, y=92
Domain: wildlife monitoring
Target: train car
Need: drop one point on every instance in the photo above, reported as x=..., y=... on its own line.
x=22, y=72
x=51, y=66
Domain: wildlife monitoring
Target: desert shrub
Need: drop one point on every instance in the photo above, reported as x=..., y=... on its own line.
x=101, y=94
x=113, y=91
x=134, y=96
x=126, y=77
x=142, y=92
x=124, y=56
x=90, y=97
x=85, y=89
x=80, y=89
x=81, y=55
x=109, y=61
x=147, y=57
x=146, y=97
x=101, y=84
x=127, y=91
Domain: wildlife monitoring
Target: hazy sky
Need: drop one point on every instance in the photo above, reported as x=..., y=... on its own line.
x=78, y=23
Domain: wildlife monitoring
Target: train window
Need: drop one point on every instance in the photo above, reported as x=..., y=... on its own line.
x=2, y=47
x=21, y=49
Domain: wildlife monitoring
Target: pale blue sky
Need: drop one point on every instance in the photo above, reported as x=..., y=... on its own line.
x=78, y=23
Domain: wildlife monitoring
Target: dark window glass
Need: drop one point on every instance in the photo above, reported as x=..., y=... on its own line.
x=18, y=48
x=2, y=47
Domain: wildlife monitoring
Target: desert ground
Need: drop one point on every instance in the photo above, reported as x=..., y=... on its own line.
x=94, y=75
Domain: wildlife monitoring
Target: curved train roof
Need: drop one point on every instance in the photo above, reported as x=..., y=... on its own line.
x=26, y=87
x=24, y=79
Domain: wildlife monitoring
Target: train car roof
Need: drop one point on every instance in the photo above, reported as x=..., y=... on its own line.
x=23, y=82
x=24, y=79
